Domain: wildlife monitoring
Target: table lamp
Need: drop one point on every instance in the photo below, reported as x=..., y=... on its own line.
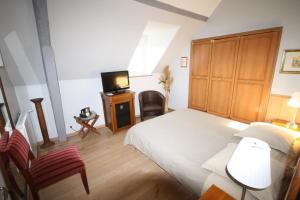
x=295, y=103
x=250, y=165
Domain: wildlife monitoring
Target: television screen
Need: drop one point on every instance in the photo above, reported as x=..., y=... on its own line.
x=115, y=81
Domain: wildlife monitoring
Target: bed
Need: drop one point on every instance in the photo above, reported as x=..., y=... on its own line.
x=180, y=142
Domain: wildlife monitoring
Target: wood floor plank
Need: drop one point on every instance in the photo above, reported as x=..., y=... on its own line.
x=115, y=171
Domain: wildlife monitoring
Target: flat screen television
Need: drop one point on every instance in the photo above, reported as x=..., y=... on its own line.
x=115, y=82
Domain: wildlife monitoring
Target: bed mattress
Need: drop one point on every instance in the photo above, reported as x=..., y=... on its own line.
x=181, y=141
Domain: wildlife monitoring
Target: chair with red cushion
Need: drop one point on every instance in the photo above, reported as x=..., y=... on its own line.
x=45, y=170
x=5, y=168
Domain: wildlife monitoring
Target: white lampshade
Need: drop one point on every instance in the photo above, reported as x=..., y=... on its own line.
x=295, y=100
x=250, y=164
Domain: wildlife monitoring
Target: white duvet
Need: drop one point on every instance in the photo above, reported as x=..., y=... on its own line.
x=181, y=141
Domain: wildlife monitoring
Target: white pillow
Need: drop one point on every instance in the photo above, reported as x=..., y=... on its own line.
x=277, y=137
x=217, y=164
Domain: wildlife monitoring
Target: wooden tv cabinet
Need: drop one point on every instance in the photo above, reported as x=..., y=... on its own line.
x=119, y=112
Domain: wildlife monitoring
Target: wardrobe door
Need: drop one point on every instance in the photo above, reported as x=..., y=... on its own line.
x=223, y=67
x=255, y=68
x=199, y=74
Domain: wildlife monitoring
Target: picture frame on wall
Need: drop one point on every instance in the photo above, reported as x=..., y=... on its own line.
x=291, y=62
x=184, y=62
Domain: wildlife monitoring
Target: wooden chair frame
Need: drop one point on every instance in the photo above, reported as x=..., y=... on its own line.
x=30, y=180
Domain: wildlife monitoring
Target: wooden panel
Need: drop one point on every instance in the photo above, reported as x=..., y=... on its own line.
x=294, y=187
x=267, y=30
x=199, y=74
x=255, y=66
x=278, y=108
x=233, y=65
x=223, y=61
x=200, y=58
x=219, y=97
x=109, y=102
x=215, y=193
x=254, y=56
x=247, y=102
x=223, y=65
x=198, y=93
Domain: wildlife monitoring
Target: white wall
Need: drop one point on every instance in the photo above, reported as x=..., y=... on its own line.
x=17, y=18
x=233, y=16
x=180, y=87
x=91, y=36
x=23, y=62
x=80, y=93
x=139, y=84
x=27, y=92
x=153, y=44
x=88, y=37
x=10, y=94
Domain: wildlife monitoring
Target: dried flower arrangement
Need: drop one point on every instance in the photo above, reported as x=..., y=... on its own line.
x=166, y=80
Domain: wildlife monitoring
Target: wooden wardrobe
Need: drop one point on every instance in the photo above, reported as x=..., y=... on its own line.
x=231, y=76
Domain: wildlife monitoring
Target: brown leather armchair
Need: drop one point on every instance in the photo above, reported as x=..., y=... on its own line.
x=152, y=103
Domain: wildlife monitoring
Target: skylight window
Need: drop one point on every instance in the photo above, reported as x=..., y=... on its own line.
x=154, y=42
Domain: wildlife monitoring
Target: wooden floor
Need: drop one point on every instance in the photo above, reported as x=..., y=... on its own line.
x=115, y=171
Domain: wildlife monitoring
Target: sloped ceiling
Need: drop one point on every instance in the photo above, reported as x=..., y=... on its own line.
x=19, y=43
x=93, y=36
x=201, y=7
x=90, y=36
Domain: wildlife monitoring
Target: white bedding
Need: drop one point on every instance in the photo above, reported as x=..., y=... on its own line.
x=219, y=177
x=181, y=141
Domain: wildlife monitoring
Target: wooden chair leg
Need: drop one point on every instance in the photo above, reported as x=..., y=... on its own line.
x=35, y=194
x=14, y=183
x=85, y=181
x=7, y=179
x=31, y=156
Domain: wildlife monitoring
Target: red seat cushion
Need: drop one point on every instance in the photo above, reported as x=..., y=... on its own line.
x=55, y=166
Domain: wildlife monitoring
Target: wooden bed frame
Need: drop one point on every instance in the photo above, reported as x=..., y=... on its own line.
x=293, y=192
